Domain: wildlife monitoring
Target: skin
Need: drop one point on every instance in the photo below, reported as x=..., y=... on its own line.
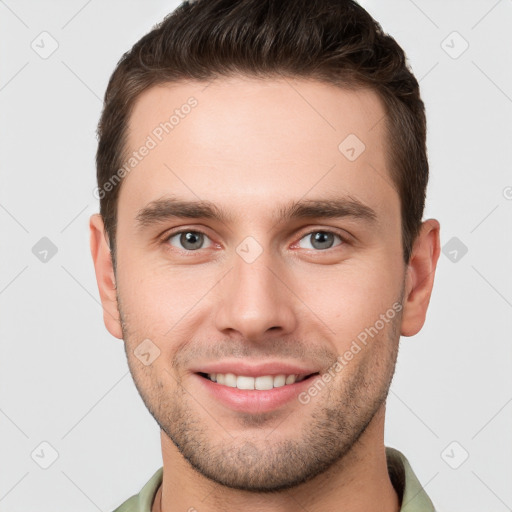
x=251, y=146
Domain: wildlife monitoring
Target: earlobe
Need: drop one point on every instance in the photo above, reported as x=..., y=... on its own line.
x=420, y=277
x=105, y=276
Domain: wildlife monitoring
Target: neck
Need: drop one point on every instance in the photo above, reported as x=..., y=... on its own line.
x=357, y=483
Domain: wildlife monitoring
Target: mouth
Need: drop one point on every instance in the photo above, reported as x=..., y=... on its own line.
x=259, y=383
x=255, y=394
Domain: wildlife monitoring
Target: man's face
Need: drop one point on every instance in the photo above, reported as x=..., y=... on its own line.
x=255, y=286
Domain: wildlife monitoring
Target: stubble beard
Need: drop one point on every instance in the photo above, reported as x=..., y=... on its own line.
x=331, y=424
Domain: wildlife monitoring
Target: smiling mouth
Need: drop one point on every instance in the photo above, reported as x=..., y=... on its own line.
x=262, y=383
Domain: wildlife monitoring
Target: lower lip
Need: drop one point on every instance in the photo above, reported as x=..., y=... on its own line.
x=255, y=401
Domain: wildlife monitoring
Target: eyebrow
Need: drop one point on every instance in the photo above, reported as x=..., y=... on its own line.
x=167, y=208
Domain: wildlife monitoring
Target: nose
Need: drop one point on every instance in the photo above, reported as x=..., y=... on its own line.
x=255, y=298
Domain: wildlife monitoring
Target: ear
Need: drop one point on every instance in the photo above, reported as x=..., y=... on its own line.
x=105, y=277
x=420, y=277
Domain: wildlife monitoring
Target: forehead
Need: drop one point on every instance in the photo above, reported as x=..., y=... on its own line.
x=244, y=139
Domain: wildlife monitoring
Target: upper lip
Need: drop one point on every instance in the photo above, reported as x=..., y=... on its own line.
x=256, y=369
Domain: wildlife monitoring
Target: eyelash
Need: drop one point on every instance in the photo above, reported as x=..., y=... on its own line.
x=344, y=239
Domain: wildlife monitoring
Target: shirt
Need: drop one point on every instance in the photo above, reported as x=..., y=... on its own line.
x=410, y=492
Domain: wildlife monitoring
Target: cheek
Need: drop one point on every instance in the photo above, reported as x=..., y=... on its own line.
x=164, y=305
x=348, y=290
x=159, y=313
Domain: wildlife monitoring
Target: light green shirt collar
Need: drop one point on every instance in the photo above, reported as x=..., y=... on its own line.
x=413, y=496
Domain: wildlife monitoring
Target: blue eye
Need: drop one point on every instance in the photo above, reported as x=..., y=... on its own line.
x=320, y=239
x=188, y=240
x=192, y=240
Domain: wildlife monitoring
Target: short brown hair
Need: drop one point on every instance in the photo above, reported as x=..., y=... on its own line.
x=332, y=41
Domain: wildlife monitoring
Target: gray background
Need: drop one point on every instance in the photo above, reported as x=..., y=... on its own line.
x=64, y=380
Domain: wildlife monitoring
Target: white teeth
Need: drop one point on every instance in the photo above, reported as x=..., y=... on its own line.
x=279, y=381
x=290, y=379
x=243, y=382
x=230, y=380
x=263, y=383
